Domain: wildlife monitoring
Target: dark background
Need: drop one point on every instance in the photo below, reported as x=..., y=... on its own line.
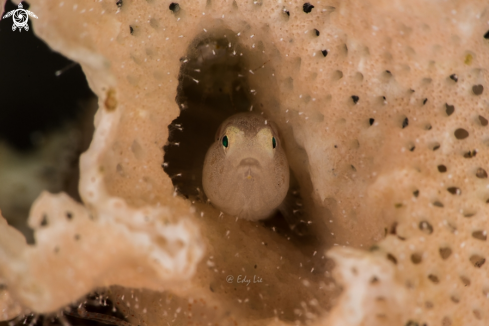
x=32, y=98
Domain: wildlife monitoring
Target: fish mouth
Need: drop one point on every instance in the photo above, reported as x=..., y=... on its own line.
x=250, y=168
x=249, y=162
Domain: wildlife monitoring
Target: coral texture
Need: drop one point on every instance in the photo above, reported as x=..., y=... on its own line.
x=383, y=107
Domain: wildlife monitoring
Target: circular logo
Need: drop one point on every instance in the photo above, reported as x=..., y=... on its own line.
x=229, y=279
x=20, y=17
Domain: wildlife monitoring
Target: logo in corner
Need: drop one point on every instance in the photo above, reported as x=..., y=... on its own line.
x=20, y=17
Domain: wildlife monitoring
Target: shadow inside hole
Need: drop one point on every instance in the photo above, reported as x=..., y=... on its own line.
x=213, y=85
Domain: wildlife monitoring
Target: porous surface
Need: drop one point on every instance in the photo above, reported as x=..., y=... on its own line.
x=383, y=106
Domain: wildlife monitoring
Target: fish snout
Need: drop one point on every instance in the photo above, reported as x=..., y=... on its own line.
x=249, y=168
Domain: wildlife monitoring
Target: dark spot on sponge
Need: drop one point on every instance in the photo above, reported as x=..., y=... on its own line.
x=175, y=7
x=461, y=133
x=324, y=52
x=449, y=109
x=481, y=173
x=483, y=121
x=355, y=99
x=392, y=258
x=470, y=154
x=405, y=123
x=307, y=7
x=478, y=89
x=434, y=278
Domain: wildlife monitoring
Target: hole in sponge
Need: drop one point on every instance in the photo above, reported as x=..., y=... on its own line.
x=478, y=89
x=307, y=7
x=426, y=227
x=175, y=7
x=449, y=109
x=416, y=258
x=392, y=258
x=455, y=298
x=483, y=121
x=438, y=203
x=445, y=252
x=465, y=280
x=405, y=123
x=477, y=260
x=470, y=154
x=480, y=235
x=224, y=89
x=481, y=173
x=212, y=87
x=454, y=190
x=461, y=133
x=433, y=278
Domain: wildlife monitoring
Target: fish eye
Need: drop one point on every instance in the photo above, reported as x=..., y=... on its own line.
x=225, y=142
x=274, y=142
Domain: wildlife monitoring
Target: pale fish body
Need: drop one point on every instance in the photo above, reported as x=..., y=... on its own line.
x=246, y=173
